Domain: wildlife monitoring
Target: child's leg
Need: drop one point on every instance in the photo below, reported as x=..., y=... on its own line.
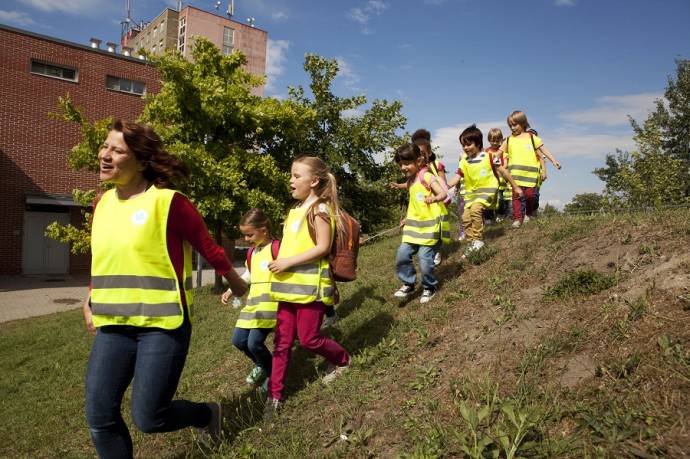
x=330, y=311
x=470, y=224
x=517, y=207
x=309, y=318
x=530, y=200
x=286, y=329
x=477, y=218
x=426, y=266
x=536, y=199
x=240, y=339
x=403, y=263
x=256, y=344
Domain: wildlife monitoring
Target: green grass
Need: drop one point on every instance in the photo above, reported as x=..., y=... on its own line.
x=446, y=379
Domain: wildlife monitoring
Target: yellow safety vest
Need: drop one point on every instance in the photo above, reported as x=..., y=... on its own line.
x=425, y=224
x=260, y=310
x=133, y=280
x=523, y=164
x=308, y=282
x=501, y=181
x=481, y=185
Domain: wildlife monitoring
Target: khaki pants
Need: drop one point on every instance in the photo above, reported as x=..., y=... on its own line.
x=473, y=220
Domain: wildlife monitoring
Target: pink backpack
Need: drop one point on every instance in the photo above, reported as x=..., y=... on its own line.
x=420, y=175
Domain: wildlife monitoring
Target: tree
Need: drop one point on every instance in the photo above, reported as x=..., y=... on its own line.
x=585, y=203
x=353, y=146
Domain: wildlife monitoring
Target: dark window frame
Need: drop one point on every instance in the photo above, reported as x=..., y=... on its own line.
x=46, y=66
x=133, y=84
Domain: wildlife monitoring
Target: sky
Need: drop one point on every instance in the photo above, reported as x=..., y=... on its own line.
x=577, y=68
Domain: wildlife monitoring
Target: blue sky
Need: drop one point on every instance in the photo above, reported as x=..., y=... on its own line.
x=576, y=67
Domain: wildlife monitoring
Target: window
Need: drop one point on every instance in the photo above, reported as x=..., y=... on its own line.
x=160, y=46
x=54, y=71
x=180, y=35
x=125, y=85
x=227, y=40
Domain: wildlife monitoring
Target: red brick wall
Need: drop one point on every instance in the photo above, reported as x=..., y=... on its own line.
x=34, y=148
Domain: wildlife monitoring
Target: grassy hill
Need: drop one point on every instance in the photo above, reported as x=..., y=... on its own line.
x=566, y=338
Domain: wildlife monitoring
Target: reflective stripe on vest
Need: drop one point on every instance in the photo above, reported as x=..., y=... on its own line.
x=133, y=280
x=308, y=282
x=481, y=185
x=523, y=164
x=260, y=309
x=425, y=224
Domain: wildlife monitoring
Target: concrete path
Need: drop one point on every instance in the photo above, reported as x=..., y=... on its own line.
x=29, y=296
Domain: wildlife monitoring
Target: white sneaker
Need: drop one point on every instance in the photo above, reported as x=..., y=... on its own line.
x=404, y=291
x=437, y=259
x=516, y=224
x=477, y=244
x=462, y=237
x=333, y=371
x=499, y=219
x=526, y=219
x=427, y=295
x=329, y=321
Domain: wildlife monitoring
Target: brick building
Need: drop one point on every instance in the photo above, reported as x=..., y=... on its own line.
x=35, y=181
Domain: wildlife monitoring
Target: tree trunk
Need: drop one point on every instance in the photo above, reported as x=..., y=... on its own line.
x=229, y=251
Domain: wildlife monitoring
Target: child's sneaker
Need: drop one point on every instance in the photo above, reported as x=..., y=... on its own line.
x=404, y=291
x=263, y=388
x=516, y=224
x=437, y=259
x=499, y=219
x=526, y=219
x=255, y=376
x=329, y=321
x=462, y=237
x=271, y=408
x=333, y=371
x=427, y=295
x=210, y=435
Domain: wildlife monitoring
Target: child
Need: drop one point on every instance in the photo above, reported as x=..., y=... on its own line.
x=425, y=226
x=480, y=169
x=301, y=280
x=422, y=138
x=521, y=151
x=542, y=174
x=495, y=138
x=258, y=318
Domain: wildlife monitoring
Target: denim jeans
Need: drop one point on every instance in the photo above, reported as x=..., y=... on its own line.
x=154, y=358
x=251, y=341
x=404, y=266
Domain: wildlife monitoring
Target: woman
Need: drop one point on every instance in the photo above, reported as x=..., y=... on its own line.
x=140, y=300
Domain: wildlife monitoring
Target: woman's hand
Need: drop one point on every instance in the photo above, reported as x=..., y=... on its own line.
x=226, y=296
x=279, y=265
x=88, y=318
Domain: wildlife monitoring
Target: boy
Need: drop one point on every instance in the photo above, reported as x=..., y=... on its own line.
x=425, y=226
x=480, y=170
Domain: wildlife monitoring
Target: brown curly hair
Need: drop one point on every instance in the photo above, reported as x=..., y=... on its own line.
x=162, y=168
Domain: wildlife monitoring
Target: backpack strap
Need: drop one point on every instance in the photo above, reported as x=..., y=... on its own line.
x=275, y=248
x=249, y=258
x=420, y=176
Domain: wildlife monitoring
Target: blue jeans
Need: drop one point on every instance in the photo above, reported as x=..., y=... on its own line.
x=154, y=358
x=404, y=266
x=251, y=342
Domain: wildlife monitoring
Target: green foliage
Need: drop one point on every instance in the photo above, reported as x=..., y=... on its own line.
x=585, y=282
x=477, y=257
x=585, y=203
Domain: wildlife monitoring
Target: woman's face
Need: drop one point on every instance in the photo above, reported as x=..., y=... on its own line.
x=118, y=164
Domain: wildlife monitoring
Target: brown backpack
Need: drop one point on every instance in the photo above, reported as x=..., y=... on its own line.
x=344, y=249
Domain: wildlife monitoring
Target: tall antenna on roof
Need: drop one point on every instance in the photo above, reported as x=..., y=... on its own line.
x=231, y=8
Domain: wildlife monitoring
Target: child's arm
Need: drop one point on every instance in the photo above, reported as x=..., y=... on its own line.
x=506, y=175
x=454, y=181
x=545, y=151
x=439, y=193
x=399, y=186
x=322, y=228
x=542, y=166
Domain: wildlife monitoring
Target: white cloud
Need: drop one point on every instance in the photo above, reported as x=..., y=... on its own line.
x=582, y=145
x=364, y=14
x=446, y=139
x=276, y=60
x=565, y=2
x=614, y=110
x=279, y=16
x=347, y=73
x=16, y=17
x=70, y=6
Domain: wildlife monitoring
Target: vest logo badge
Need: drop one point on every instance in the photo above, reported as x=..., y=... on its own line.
x=482, y=172
x=139, y=217
x=295, y=226
x=420, y=196
x=264, y=265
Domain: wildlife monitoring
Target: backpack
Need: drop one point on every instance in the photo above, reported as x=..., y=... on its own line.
x=344, y=249
x=275, y=247
x=434, y=170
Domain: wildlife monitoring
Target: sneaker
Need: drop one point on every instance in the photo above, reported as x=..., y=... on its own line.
x=526, y=219
x=461, y=237
x=499, y=219
x=437, y=259
x=427, y=295
x=404, y=291
x=516, y=224
x=263, y=388
x=333, y=371
x=329, y=321
x=255, y=376
x=210, y=435
x=477, y=244
x=271, y=408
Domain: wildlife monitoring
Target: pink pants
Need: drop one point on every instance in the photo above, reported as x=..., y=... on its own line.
x=303, y=320
x=530, y=202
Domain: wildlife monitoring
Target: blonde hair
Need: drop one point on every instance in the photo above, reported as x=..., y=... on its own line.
x=518, y=117
x=494, y=134
x=327, y=188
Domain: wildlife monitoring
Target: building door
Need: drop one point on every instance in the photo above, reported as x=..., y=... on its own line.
x=42, y=255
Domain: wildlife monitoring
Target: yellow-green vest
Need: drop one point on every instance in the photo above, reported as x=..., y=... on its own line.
x=425, y=224
x=523, y=164
x=260, y=310
x=308, y=282
x=133, y=281
x=481, y=185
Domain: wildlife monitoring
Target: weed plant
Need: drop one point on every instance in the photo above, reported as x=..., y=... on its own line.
x=585, y=282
